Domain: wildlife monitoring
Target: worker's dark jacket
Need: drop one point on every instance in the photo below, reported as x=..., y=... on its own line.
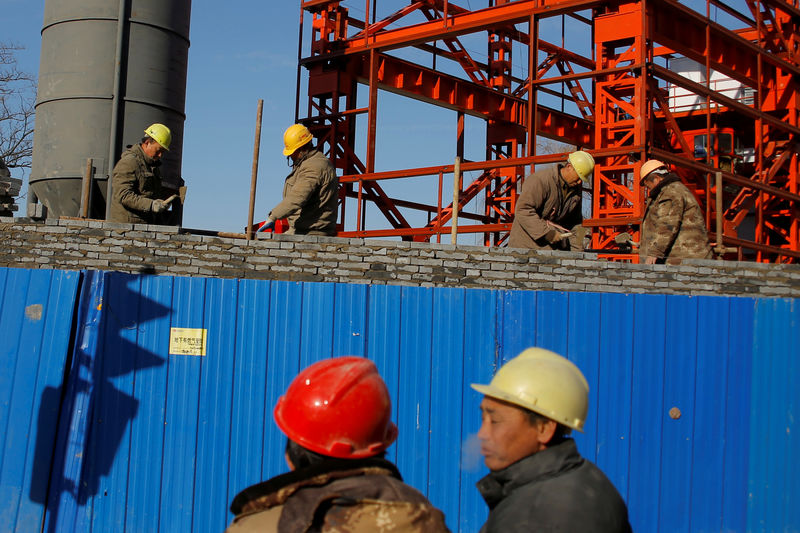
x=310, y=196
x=546, y=198
x=673, y=228
x=355, y=496
x=553, y=490
x=136, y=183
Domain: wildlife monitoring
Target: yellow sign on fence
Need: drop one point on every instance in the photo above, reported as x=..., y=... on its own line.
x=187, y=341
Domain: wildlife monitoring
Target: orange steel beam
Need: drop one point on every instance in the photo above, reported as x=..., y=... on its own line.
x=728, y=52
x=428, y=85
x=465, y=23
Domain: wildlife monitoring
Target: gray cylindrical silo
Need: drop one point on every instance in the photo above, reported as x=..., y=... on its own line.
x=108, y=70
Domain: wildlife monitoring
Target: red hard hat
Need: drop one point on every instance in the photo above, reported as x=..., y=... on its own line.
x=338, y=407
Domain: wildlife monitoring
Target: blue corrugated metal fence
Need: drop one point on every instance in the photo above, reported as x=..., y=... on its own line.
x=692, y=399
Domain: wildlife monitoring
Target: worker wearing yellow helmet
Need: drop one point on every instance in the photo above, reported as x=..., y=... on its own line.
x=136, y=180
x=538, y=481
x=548, y=211
x=311, y=190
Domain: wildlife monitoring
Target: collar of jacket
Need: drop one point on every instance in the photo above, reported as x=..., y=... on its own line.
x=137, y=150
x=669, y=178
x=306, y=155
x=547, y=463
x=275, y=491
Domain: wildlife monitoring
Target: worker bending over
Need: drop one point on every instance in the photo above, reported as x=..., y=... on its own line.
x=311, y=191
x=337, y=417
x=538, y=480
x=673, y=228
x=136, y=179
x=548, y=211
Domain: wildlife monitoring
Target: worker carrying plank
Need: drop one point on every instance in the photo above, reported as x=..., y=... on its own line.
x=311, y=190
x=673, y=228
x=548, y=211
x=538, y=481
x=136, y=179
x=337, y=416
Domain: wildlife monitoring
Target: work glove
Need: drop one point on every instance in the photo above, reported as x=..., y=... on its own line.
x=269, y=224
x=554, y=236
x=158, y=206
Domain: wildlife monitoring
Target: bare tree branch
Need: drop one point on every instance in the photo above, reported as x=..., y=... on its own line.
x=17, y=99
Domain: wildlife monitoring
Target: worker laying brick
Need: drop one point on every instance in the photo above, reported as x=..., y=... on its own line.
x=136, y=196
x=673, y=228
x=311, y=190
x=548, y=211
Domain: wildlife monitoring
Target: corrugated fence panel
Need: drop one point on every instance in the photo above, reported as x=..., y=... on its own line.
x=283, y=363
x=216, y=389
x=614, y=368
x=147, y=428
x=179, y=462
x=774, y=441
x=584, y=350
x=248, y=410
x=737, y=420
x=647, y=409
x=480, y=353
x=36, y=308
x=679, y=387
x=414, y=396
x=447, y=378
x=708, y=452
x=153, y=441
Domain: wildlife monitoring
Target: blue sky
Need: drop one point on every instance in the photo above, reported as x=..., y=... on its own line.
x=239, y=54
x=247, y=51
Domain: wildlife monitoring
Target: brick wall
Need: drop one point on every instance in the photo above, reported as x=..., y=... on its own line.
x=79, y=244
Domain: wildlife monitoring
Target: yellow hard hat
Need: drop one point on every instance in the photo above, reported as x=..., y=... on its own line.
x=543, y=382
x=649, y=166
x=160, y=134
x=583, y=163
x=295, y=136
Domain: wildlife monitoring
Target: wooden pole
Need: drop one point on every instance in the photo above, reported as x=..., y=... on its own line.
x=86, y=187
x=254, y=177
x=456, y=190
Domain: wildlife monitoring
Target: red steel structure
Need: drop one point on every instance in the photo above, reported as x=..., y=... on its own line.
x=614, y=102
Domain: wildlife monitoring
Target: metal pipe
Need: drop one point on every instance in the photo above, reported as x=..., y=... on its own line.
x=720, y=248
x=116, y=101
x=254, y=176
x=85, y=188
x=456, y=191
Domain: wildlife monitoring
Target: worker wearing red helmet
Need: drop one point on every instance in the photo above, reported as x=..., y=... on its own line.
x=337, y=417
x=673, y=228
x=548, y=211
x=311, y=190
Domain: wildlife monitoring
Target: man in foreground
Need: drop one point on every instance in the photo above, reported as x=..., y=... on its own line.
x=337, y=417
x=538, y=480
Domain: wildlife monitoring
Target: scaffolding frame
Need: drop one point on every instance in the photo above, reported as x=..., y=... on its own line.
x=623, y=119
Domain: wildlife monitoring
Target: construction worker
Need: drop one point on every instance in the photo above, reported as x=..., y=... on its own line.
x=538, y=481
x=136, y=186
x=337, y=417
x=311, y=191
x=548, y=211
x=673, y=228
